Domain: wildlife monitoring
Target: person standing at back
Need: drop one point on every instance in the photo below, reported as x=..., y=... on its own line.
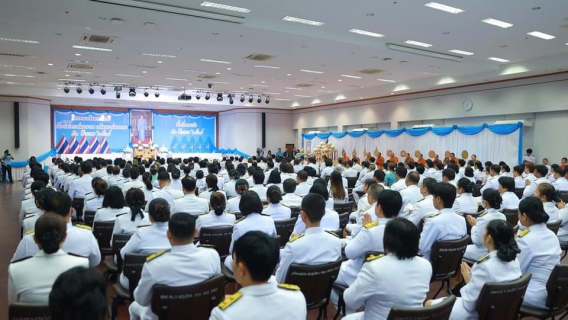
x=7, y=166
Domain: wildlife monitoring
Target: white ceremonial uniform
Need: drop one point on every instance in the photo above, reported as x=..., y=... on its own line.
x=80, y=241
x=479, y=175
x=29, y=221
x=465, y=203
x=552, y=211
x=519, y=182
x=191, y=204
x=530, y=158
x=233, y=204
x=563, y=231
x=313, y=247
x=66, y=183
x=437, y=175
x=357, y=167
x=446, y=225
x=137, y=184
x=116, y=180
x=80, y=187
x=560, y=184
x=176, y=184
x=30, y=280
x=212, y=220
x=260, y=190
x=264, y=301
x=29, y=208
x=378, y=286
x=329, y=221
x=109, y=214
x=229, y=188
x=277, y=211
x=148, y=194
x=93, y=202
x=251, y=222
x=491, y=183
x=359, y=219
x=510, y=201
x=531, y=189
x=488, y=269
x=540, y=252
x=399, y=185
x=167, y=193
x=410, y=196
x=477, y=250
x=146, y=239
x=349, y=173
x=183, y=266
x=326, y=172
x=124, y=224
x=302, y=189
x=285, y=176
x=291, y=200
x=422, y=209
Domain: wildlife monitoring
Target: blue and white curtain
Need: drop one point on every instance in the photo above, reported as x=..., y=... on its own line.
x=489, y=142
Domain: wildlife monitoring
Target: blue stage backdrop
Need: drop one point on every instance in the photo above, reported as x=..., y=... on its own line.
x=185, y=133
x=89, y=132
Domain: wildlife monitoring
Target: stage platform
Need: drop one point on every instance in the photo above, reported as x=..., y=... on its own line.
x=129, y=156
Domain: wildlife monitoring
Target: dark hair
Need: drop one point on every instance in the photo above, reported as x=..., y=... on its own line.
x=375, y=190
x=336, y=186
x=302, y=175
x=126, y=173
x=289, y=185
x=159, y=210
x=449, y=173
x=164, y=176
x=548, y=191
x=217, y=203
x=519, y=169
x=134, y=173
x=50, y=232
x=188, y=184
x=493, y=197
x=86, y=167
x=541, y=169
x=504, y=238
x=401, y=237
x=258, y=177
x=57, y=202
x=468, y=172
x=508, y=183
x=135, y=201
x=79, y=293
x=211, y=182
x=114, y=198
x=175, y=173
x=100, y=187
x=390, y=202
x=429, y=184
x=42, y=176
x=413, y=177
x=274, y=177
x=534, y=209
x=273, y=194
x=234, y=174
x=313, y=205
x=379, y=175
x=259, y=252
x=37, y=186
x=147, y=179
x=250, y=203
x=321, y=190
x=446, y=191
x=182, y=226
x=401, y=172
x=466, y=185
x=241, y=186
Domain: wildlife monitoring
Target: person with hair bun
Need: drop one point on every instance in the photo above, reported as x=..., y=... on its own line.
x=94, y=200
x=212, y=182
x=241, y=186
x=149, y=238
x=148, y=187
x=275, y=209
x=29, y=207
x=30, y=279
x=547, y=194
x=176, y=182
x=500, y=265
x=492, y=203
x=127, y=223
x=465, y=202
x=540, y=250
x=218, y=215
x=274, y=179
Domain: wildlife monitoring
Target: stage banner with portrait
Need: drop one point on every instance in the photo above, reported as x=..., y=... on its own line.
x=141, y=126
x=90, y=132
x=185, y=133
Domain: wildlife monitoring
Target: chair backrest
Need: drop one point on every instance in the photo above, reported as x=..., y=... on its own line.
x=218, y=237
x=554, y=225
x=512, y=216
x=519, y=192
x=502, y=300
x=315, y=281
x=351, y=182
x=295, y=211
x=473, y=214
x=343, y=207
x=78, y=204
x=102, y=230
x=439, y=311
x=193, y=302
x=132, y=269
x=557, y=287
x=446, y=257
x=237, y=214
x=343, y=219
x=119, y=240
x=88, y=217
x=563, y=195
x=338, y=232
x=24, y=311
x=284, y=229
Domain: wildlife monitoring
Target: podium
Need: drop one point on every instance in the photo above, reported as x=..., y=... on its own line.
x=145, y=153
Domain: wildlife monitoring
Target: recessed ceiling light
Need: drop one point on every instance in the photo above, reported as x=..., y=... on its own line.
x=67, y=75
x=128, y=75
x=16, y=67
x=19, y=83
x=303, y=21
x=439, y=6
x=144, y=71
x=162, y=86
x=323, y=87
x=274, y=93
x=50, y=64
x=194, y=71
x=215, y=61
x=229, y=69
x=224, y=7
x=498, y=59
x=462, y=52
x=92, y=48
x=367, y=33
x=18, y=75
x=159, y=61
x=416, y=43
x=72, y=80
x=280, y=99
x=176, y=79
x=289, y=74
x=217, y=72
x=258, y=85
x=77, y=71
x=218, y=82
x=311, y=71
x=350, y=76
x=263, y=81
x=401, y=87
x=292, y=88
x=20, y=40
x=386, y=80
x=301, y=96
x=498, y=23
x=157, y=55
x=78, y=54
x=541, y=35
x=339, y=80
x=266, y=67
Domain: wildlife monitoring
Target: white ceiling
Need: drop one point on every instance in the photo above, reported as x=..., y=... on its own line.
x=331, y=49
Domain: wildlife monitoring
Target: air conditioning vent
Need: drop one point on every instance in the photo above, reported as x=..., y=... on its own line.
x=207, y=76
x=143, y=66
x=283, y=79
x=98, y=39
x=370, y=71
x=79, y=66
x=304, y=85
x=17, y=55
x=259, y=57
x=241, y=75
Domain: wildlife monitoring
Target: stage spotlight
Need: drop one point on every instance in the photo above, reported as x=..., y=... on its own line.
x=219, y=97
x=118, y=94
x=242, y=98
x=231, y=101
x=259, y=100
x=103, y=90
x=267, y=99
x=146, y=94
x=66, y=89
x=188, y=97
x=207, y=96
x=79, y=89
x=91, y=90
x=251, y=98
x=132, y=92
x=197, y=96
x=157, y=93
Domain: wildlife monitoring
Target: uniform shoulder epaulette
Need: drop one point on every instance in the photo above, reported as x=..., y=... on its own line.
x=524, y=232
x=20, y=260
x=230, y=300
x=372, y=258
x=421, y=200
x=371, y=224
x=155, y=255
x=29, y=216
x=143, y=225
x=485, y=257
x=241, y=219
x=179, y=197
x=30, y=231
x=296, y=237
x=432, y=215
x=76, y=255
x=121, y=214
x=88, y=193
x=483, y=213
x=285, y=204
x=286, y=286
x=367, y=208
x=82, y=226
x=332, y=233
x=265, y=206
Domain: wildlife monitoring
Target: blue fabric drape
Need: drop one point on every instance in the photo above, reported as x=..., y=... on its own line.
x=40, y=158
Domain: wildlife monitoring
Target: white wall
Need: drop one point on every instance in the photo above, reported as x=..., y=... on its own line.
x=543, y=101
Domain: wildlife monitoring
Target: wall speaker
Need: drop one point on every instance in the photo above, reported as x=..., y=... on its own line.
x=16, y=125
x=264, y=130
